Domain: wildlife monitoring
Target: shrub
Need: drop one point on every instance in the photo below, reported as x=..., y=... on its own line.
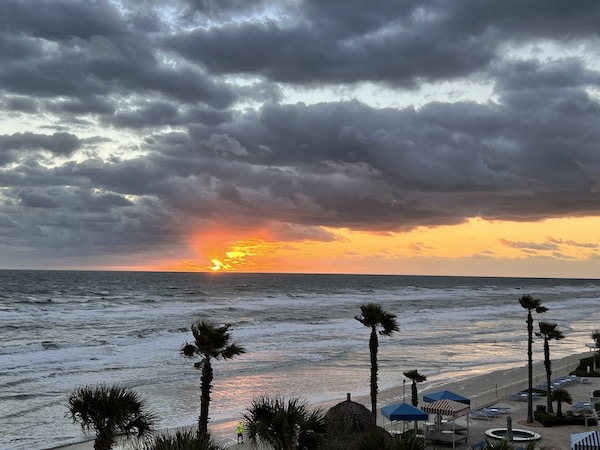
x=581, y=370
x=184, y=439
x=584, y=373
x=550, y=420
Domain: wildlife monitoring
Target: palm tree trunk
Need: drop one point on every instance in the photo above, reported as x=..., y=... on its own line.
x=530, y=368
x=103, y=442
x=205, y=388
x=373, y=348
x=548, y=366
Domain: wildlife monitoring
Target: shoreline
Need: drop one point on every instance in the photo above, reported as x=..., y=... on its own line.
x=483, y=390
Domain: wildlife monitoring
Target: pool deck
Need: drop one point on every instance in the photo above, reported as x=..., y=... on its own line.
x=551, y=438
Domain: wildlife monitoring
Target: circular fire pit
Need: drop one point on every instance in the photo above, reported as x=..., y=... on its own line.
x=518, y=435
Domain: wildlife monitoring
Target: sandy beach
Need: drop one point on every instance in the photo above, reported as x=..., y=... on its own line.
x=489, y=389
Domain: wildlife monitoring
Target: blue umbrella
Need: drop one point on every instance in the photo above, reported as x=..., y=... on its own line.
x=446, y=395
x=403, y=411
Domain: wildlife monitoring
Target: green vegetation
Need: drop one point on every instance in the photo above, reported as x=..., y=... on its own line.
x=378, y=441
x=111, y=412
x=530, y=304
x=561, y=396
x=185, y=439
x=582, y=368
x=210, y=342
x=596, y=338
x=374, y=317
x=551, y=420
x=549, y=331
x=416, y=377
x=284, y=425
x=503, y=444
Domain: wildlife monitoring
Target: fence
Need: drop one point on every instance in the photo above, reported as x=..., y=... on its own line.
x=501, y=392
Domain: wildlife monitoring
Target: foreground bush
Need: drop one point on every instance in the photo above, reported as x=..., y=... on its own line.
x=581, y=370
x=382, y=441
x=550, y=420
x=112, y=412
x=186, y=439
x=284, y=424
x=503, y=444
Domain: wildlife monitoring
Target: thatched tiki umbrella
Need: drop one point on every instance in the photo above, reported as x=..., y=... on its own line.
x=347, y=423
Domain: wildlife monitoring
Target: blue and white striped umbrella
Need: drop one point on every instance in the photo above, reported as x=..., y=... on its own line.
x=589, y=440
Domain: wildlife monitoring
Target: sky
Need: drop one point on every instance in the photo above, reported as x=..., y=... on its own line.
x=425, y=137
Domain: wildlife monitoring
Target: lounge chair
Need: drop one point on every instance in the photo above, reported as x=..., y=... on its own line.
x=482, y=414
x=497, y=409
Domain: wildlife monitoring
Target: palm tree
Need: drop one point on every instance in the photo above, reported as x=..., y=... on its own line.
x=530, y=304
x=561, y=395
x=549, y=331
x=596, y=338
x=373, y=316
x=416, y=377
x=111, y=411
x=284, y=425
x=210, y=341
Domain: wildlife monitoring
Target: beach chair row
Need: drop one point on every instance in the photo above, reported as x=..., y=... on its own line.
x=563, y=382
x=489, y=412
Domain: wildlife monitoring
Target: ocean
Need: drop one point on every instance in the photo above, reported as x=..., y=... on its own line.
x=60, y=330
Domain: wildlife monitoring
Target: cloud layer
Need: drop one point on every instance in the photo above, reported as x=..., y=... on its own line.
x=127, y=125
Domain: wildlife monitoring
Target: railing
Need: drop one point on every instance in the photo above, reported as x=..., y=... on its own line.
x=501, y=392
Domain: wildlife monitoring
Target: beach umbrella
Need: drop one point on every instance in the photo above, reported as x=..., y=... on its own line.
x=509, y=430
x=450, y=408
x=403, y=411
x=586, y=441
x=447, y=408
x=446, y=395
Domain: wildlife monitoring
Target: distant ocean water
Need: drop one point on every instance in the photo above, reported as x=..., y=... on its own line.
x=61, y=330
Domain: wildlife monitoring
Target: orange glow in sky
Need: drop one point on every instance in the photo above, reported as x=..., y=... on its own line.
x=552, y=248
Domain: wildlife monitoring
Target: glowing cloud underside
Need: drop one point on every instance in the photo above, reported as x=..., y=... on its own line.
x=476, y=243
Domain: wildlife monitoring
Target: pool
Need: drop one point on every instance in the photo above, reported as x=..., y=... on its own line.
x=519, y=435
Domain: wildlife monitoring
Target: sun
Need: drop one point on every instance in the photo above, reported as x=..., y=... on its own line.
x=217, y=265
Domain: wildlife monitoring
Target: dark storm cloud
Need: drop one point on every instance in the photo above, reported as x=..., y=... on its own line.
x=82, y=49
x=394, y=42
x=198, y=88
x=302, y=54
x=59, y=144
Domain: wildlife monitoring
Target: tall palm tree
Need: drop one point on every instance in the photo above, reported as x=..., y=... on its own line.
x=596, y=338
x=210, y=342
x=373, y=316
x=561, y=395
x=110, y=411
x=416, y=377
x=549, y=331
x=284, y=425
x=530, y=304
